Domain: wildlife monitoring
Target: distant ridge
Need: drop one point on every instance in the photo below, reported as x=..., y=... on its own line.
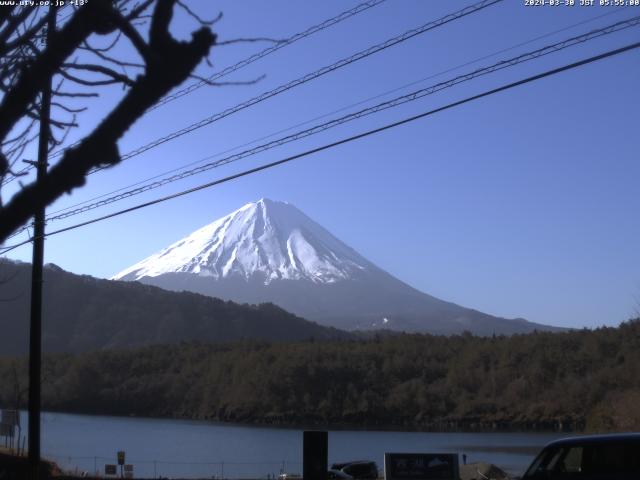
x=269, y=251
x=83, y=313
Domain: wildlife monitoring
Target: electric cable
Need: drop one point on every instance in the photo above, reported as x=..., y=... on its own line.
x=239, y=65
x=361, y=102
x=342, y=141
x=401, y=100
x=269, y=50
x=476, y=7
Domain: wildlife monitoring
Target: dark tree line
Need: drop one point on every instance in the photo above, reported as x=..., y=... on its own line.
x=584, y=379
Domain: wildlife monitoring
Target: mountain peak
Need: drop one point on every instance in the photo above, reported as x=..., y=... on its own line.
x=264, y=203
x=269, y=251
x=267, y=201
x=265, y=240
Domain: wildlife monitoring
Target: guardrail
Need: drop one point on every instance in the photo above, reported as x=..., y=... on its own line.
x=94, y=466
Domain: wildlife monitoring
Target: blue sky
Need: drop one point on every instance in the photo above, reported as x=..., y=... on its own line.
x=523, y=204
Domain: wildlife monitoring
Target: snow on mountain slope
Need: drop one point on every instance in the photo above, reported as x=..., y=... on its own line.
x=266, y=239
x=272, y=252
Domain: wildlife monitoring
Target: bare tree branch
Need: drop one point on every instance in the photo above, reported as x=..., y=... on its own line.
x=198, y=18
x=115, y=61
x=26, y=36
x=75, y=94
x=115, y=76
x=108, y=48
x=168, y=63
x=12, y=25
x=33, y=77
x=6, y=13
x=68, y=109
x=132, y=34
x=137, y=12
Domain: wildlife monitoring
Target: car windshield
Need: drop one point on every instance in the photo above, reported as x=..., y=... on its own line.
x=614, y=458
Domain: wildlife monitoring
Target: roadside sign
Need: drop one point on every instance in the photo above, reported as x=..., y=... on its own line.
x=128, y=468
x=10, y=417
x=121, y=457
x=110, y=469
x=420, y=466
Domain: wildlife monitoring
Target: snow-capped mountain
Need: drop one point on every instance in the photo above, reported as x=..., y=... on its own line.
x=266, y=240
x=270, y=251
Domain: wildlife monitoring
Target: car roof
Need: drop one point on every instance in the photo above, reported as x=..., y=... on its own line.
x=596, y=439
x=355, y=462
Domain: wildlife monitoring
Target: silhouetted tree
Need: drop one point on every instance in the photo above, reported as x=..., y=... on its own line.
x=78, y=68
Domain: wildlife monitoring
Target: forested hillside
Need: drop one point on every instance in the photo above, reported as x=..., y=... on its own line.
x=82, y=313
x=573, y=380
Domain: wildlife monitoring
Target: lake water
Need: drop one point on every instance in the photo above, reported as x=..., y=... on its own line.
x=197, y=449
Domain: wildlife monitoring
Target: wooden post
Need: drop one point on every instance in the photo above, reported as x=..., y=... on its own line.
x=35, y=334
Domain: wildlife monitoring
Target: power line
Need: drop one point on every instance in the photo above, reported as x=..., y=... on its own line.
x=269, y=50
x=352, y=138
x=241, y=64
x=361, y=102
x=391, y=103
x=37, y=265
x=618, y=26
x=309, y=77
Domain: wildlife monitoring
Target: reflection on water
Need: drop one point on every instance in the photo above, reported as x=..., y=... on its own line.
x=211, y=450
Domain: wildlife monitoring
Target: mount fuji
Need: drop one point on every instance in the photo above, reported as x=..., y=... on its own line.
x=270, y=251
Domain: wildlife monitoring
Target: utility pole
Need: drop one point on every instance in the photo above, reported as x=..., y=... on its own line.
x=35, y=335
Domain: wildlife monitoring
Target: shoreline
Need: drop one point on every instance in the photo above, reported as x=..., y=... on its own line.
x=451, y=426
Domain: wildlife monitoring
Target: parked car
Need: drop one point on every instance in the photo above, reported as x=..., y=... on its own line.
x=289, y=476
x=595, y=457
x=358, y=470
x=337, y=475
